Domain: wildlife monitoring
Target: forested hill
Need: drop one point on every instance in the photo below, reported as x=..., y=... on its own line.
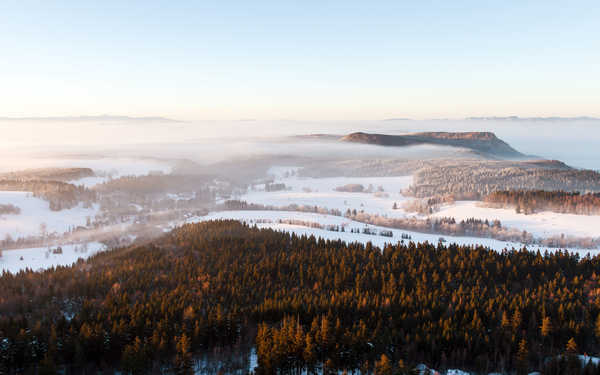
x=481, y=142
x=304, y=304
x=532, y=201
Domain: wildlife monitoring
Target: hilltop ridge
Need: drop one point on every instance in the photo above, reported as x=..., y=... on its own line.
x=481, y=142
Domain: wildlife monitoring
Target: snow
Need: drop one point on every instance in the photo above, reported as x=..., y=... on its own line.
x=117, y=166
x=89, y=182
x=253, y=360
x=585, y=359
x=40, y=258
x=251, y=218
x=422, y=369
x=35, y=211
x=109, y=168
x=542, y=224
x=181, y=196
x=321, y=192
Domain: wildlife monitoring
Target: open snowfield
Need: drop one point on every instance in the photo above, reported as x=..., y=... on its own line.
x=321, y=192
x=251, y=217
x=35, y=212
x=40, y=258
x=542, y=224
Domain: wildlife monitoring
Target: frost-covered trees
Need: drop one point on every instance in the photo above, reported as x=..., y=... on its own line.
x=531, y=201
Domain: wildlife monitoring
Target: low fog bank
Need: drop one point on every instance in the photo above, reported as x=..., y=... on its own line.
x=131, y=180
x=26, y=143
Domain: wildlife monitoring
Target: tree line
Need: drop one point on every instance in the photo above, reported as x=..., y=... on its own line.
x=9, y=209
x=532, y=201
x=60, y=195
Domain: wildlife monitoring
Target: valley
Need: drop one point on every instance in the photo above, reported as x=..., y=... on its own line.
x=130, y=199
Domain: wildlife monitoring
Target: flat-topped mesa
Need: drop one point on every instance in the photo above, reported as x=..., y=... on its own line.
x=485, y=136
x=481, y=142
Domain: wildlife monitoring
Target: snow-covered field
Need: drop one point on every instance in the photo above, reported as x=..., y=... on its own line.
x=542, y=224
x=255, y=218
x=35, y=212
x=321, y=192
x=42, y=257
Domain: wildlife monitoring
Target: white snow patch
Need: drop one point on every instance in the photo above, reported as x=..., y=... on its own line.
x=585, y=359
x=41, y=258
x=89, y=182
x=35, y=212
x=321, y=192
x=542, y=224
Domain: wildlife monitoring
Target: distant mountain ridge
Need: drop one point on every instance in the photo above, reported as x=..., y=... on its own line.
x=91, y=118
x=517, y=118
x=481, y=142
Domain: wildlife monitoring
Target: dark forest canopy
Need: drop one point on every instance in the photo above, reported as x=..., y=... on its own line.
x=304, y=303
x=532, y=201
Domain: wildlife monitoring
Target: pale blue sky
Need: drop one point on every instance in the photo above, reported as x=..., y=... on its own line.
x=330, y=60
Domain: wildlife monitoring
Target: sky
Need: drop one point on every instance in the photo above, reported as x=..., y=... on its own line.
x=299, y=60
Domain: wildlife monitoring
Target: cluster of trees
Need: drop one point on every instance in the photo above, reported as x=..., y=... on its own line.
x=335, y=227
x=160, y=184
x=531, y=201
x=60, y=195
x=313, y=224
x=426, y=206
x=238, y=205
x=307, y=304
x=474, y=180
x=269, y=187
x=303, y=223
x=446, y=225
x=9, y=209
x=351, y=188
x=155, y=198
x=359, y=188
x=54, y=174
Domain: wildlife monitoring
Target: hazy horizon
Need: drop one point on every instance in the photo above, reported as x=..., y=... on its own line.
x=217, y=140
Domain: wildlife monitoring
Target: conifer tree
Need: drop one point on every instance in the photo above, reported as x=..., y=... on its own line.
x=183, y=358
x=383, y=366
x=546, y=327
x=522, y=359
